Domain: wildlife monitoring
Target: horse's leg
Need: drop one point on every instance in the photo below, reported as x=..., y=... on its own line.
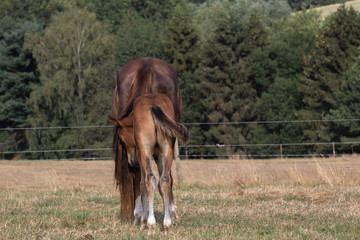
x=148, y=187
x=166, y=183
x=159, y=164
x=144, y=199
x=138, y=204
x=173, y=207
x=151, y=186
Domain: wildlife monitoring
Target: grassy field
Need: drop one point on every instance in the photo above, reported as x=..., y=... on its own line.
x=327, y=10
x=228, y=199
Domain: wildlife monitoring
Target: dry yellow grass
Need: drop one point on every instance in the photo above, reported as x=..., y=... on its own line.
x=314, y=171
x=327, y=10
x=272, y=172
x=220, y=199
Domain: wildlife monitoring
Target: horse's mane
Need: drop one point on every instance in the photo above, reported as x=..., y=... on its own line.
x=115, y=147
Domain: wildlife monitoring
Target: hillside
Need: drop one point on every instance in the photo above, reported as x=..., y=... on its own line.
x=327, y=10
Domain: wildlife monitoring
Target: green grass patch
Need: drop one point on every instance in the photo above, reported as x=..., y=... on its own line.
x=205, y=213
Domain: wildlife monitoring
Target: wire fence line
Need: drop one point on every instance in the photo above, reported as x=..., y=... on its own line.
x=280, y=153
x=58, y=150
x=188, y=124
x=54, y=127
x=263, y=150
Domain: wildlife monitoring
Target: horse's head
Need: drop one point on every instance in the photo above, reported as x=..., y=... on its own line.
x=126, y=137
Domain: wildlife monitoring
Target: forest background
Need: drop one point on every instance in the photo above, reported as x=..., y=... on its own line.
x=237, y=61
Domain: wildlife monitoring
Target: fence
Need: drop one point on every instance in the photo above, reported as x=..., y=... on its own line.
x=270, y=150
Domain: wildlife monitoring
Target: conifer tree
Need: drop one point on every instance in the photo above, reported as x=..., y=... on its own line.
x=337, y=46
x=227, y=79
x=181, y=40
x=181, y=44
x=279, y=69
x=17, y=73
x=347, y=108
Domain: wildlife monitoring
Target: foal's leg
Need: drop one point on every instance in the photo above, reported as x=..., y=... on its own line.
x=165, y=184
x=144, y=200
x=173, y=207
x=149, y=185
x=138, y=204
x=159, y=164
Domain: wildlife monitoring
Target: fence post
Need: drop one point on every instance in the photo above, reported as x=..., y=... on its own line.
x=177, y=162
x=333, y=148
x=281, y=151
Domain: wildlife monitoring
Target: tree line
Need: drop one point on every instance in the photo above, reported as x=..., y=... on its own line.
x=237, y=61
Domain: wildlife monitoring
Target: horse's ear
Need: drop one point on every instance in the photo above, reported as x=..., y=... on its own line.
x=118, y=123
x=114, y=121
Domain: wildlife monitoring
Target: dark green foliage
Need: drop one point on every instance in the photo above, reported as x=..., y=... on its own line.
x=278, y=70
x=337, y=46
x=112, y=11
x=33, y=10
x=161, y=9
x=181, y=44
x=227, y=79
x=346, y=107
x=138, y=37
x=237, y=61
x=17, y=72
x=181, y=40
x=115, y=11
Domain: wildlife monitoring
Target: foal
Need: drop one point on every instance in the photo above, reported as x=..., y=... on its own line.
x=150, y=131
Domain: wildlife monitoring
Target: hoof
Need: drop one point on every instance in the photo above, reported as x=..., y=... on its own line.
x=137, y=221
x=167, y=225
x=143, y=225
x=151, y=224
x=173, y=210
x=167, y=229
x=151, y=230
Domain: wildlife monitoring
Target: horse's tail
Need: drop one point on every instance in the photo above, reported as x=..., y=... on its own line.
x=168, y=126
x=124, y=177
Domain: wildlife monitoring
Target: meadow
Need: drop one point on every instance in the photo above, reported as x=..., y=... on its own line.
x=317, y=198
x=329, y=9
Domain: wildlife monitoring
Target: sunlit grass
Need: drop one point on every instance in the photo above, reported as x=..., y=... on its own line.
x=229, y=199
x=205, y=213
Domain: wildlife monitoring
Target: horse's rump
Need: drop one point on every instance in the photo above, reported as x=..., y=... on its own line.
x=143, y=76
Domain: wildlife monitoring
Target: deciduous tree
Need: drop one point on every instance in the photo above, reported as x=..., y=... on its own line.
x=75, y=59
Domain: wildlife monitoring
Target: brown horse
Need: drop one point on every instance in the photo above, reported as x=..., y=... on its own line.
x=137, y=78
x=150, y=131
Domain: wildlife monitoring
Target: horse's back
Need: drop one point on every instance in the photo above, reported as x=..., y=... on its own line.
x=144, y=76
